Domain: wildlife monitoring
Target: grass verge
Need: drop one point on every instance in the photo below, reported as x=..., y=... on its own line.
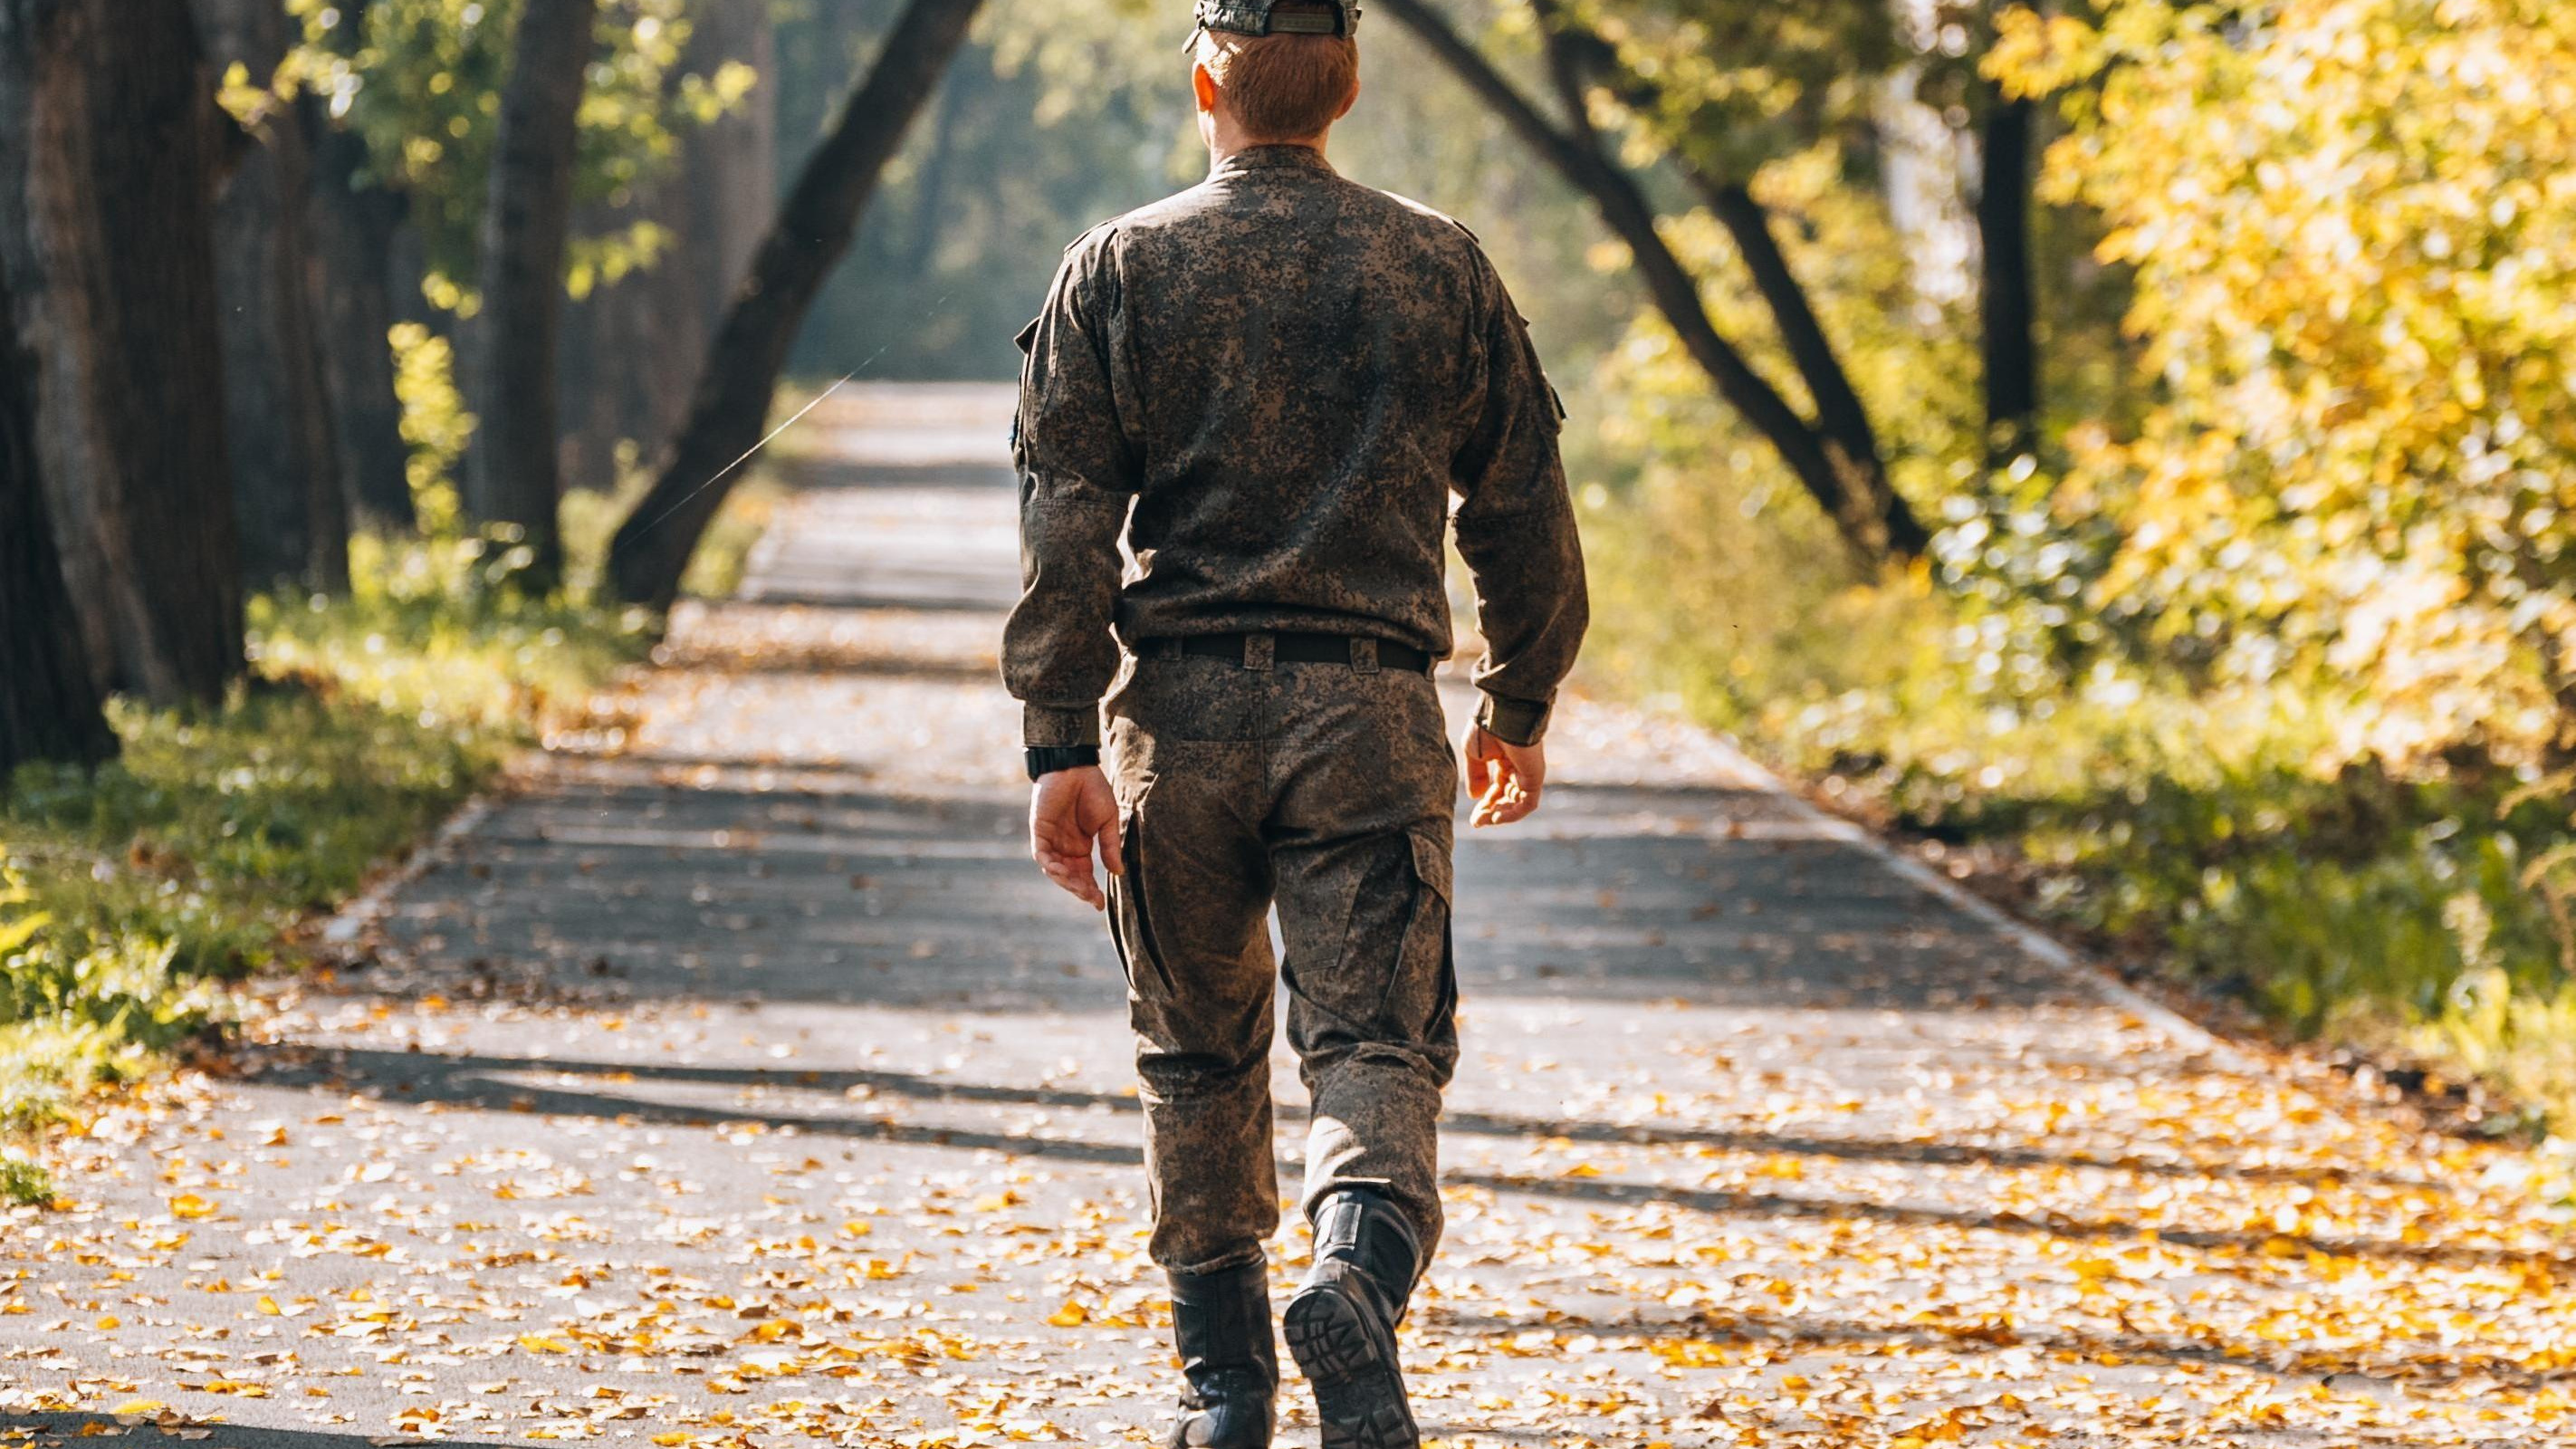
x=128, y=893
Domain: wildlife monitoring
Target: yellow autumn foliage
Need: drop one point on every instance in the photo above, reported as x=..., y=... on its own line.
x=2352, y=229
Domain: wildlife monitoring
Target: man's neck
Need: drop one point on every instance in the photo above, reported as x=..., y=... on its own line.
x=1225, y=146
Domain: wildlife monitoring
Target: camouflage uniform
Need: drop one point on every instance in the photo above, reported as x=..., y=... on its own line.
x=1272, y=384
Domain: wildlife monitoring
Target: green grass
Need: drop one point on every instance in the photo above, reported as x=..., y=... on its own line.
x=194, y=856
x=25, y=1182
x=127, y=893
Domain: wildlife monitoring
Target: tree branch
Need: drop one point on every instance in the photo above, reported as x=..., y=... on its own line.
x=1874, y=522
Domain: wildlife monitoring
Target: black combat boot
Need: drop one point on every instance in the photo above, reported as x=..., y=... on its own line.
x=1221, y=1321
x=1341, y=1322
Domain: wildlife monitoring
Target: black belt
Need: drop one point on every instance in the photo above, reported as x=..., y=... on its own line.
x=1300, y=649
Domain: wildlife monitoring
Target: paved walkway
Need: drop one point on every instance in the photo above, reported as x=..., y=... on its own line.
x=747, y=1087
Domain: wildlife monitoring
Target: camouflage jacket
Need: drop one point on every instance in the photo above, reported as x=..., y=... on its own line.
x=1273, y=382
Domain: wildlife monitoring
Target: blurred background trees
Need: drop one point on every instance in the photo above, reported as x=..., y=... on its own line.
x=2123, y=441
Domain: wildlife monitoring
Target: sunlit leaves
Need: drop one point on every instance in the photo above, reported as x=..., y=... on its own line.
x=1733, y=85
x=422, y=84
x=2347, y=222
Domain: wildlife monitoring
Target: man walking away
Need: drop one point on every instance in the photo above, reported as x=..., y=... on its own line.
x=1273, y=383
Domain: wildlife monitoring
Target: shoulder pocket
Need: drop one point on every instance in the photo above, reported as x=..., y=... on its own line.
x=1538, y=372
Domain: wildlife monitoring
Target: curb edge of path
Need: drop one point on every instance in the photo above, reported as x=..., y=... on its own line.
x=2032, y=941
x=344, y=926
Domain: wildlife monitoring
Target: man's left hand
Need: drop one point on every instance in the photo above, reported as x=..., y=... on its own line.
x=1505, y=778
x=1072, y=812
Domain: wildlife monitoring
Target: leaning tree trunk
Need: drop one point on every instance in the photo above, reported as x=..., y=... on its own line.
x=2009, y=311
x=814, y=227
x=1842, y=422
x=287, y=492
x=49, y=705
x=527, y=224
x=108, y=146
x=354, y=223
x=1850, y=485
x=1842, y=419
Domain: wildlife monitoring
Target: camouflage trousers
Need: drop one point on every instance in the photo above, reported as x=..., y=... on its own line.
x=1325, y=790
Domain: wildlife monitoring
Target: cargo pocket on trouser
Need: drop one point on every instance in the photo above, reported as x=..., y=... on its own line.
x=1392, y=984
x=1131, y=923
x=1427, y=965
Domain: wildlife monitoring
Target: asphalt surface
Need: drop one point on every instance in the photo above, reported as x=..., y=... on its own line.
x=746, y=1085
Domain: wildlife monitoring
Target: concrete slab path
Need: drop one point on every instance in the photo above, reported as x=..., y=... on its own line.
x=745, y=1086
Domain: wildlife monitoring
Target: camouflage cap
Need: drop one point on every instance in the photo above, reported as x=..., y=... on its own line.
x=1256, y=17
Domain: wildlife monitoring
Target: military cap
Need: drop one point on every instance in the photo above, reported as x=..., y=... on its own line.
x=1257, y=17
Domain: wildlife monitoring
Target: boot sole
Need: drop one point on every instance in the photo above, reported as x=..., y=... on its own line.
x=1349, y=1357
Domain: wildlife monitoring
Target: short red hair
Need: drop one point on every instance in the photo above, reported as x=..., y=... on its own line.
x=1283, y=87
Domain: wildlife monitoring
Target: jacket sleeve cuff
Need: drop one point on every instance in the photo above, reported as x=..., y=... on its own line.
x=1514, y=721
x=1048, y=727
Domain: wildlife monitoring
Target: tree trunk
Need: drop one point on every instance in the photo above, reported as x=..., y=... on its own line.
x=287, y=493
x=814, y=227
x=354, y=222
x=2009, y=311
x=108, y=145
x=49, y=705
x=930, y=213
x=733, y=164
x=1850, y=484
x=527, y=223
x=631, y=348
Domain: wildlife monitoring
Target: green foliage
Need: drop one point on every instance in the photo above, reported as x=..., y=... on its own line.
x=435, y=424
x=71, y=1013
x=1664, y=443
x=1732, y=87
x=2158, y=816
x=423, y=86
x=25, y=1182
x=125, y=892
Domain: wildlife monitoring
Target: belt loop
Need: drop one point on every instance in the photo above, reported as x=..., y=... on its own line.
x=1364, y=655
x=1259, y=650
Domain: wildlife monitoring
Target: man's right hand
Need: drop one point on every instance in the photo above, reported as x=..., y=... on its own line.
x=1070, y=812
x=1505, y=778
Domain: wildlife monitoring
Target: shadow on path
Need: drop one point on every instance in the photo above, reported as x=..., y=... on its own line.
x=483, y=1082
x=1635, y=896
x=139, y=1432
x=406, y=1072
